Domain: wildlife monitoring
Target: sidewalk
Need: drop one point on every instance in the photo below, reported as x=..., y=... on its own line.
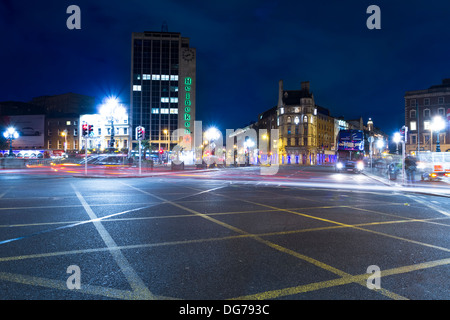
x=418, y=186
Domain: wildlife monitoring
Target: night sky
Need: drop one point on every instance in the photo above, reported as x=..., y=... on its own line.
x=243, y=47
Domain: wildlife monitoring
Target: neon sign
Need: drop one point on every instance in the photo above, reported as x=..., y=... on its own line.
x=187, y=105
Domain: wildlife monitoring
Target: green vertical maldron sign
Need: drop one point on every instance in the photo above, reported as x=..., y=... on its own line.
x=187, y=105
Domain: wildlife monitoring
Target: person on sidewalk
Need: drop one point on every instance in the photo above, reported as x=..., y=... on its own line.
x=410, y=169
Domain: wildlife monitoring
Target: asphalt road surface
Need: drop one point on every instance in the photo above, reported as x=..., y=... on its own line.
x=304, y=233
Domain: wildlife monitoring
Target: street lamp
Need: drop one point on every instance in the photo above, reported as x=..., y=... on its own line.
x=166, y=132
x=112, y=110
x=380, y=145
x=212, y=134
x=248, y=143
x=438, y=125
x=397, y=139
x=64, y=134
x=10, y=134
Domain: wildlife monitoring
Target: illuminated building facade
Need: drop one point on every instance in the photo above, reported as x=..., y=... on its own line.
x=297, y=123
x=100, y=139
x=163, y=86
x=421, y=106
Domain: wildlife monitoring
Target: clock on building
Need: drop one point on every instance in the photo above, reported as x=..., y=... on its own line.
x=188, y=54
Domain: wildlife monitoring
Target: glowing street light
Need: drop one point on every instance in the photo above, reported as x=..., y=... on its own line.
x=10, y=134
x=380, y=144
x=64, y=134
x=112, y=110
x=438, y=125
x=397, y=139
x=212, y=134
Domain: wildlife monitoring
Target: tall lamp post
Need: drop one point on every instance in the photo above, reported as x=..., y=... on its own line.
x=64, y=134
x=397, y=139
x=212, y=135
x=438, y=125
x=10, y=134
x=112, y=110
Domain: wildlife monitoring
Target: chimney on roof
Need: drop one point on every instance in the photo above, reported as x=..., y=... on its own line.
x=305, y=86
x=280, y=93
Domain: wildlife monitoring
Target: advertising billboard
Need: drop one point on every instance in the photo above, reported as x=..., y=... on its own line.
x=30, y=129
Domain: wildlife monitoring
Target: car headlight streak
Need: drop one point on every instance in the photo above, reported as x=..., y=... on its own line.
x=360, y=165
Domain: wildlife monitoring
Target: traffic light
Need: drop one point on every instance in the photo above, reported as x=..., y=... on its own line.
x=140, y=133
x=90, y=130
x=85, y=129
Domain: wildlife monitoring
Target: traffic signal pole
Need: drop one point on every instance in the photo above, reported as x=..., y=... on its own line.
x=140, y=134
x=85, y=155
x=140, y=157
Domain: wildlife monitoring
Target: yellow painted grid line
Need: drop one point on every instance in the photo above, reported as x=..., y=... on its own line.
x=360, y=279
x=126, y=295
x=268, y=243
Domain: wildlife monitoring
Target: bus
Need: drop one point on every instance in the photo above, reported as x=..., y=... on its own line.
x=350, y=151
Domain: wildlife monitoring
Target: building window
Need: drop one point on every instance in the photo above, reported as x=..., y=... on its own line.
x=155, y=110
x=137, y=88
x=75, y=132
x=49, y=144
x=426, y=101
x=413, y=139
x=282, y=110
x=426, y=113
x=99, y=131
x=441, y=112
x=173, y=111
x=68, y=123
x=412, y=113
x=413, y=125
x=426, y=125
x=441, y=100
x=288, y=119
x=49, y=132
x=413, y=102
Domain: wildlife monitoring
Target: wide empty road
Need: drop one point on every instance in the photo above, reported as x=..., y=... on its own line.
x=208, y=235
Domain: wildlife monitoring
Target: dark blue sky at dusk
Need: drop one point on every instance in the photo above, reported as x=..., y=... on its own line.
x=243, y=49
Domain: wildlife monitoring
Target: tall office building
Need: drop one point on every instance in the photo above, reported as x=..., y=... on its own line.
x=163, y=74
